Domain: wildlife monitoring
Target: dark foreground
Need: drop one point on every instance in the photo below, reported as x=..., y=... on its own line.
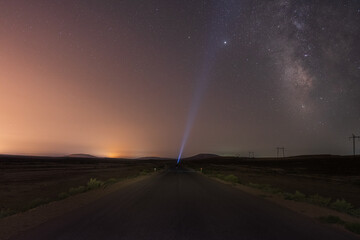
x=181, y=204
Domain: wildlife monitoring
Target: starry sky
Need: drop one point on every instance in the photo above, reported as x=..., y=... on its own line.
x=127, y=78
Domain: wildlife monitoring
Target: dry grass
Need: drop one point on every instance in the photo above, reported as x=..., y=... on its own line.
x=34, y=182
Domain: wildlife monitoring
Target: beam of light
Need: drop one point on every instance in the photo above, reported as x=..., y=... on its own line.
x=215, y=43
x=200, y=89
x=199, y=92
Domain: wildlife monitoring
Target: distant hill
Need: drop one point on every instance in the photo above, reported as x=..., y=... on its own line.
x=152, y=158
x=315, y=156
x=203, y=156
x=81, y=155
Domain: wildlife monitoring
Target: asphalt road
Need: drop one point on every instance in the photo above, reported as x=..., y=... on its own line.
x=179, y=204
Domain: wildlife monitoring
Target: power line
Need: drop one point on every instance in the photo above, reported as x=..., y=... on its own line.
x=353, y=137
x=280, y=150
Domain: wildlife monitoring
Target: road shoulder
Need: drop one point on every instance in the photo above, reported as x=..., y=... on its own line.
x=307, y=209
x=14, y=224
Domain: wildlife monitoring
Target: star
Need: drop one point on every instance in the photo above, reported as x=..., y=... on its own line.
x=225, y=42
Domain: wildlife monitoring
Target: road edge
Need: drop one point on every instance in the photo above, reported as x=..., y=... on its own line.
x=14, y=224
x=303, y=208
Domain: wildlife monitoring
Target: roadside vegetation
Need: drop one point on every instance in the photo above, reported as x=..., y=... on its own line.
x=228, y=178
x=353, y=227
x=340, y=205
x=92, y=184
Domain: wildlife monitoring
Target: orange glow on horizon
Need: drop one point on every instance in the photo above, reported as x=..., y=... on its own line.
x=113, y=155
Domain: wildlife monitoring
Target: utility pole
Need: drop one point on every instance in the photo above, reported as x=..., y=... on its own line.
x=353, y=137
x=251, y=155
x=280, y=150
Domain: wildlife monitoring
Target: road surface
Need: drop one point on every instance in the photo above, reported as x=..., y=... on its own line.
x=180, y=204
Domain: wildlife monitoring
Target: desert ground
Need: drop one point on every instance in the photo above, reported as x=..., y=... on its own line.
x=26, y=182
x=335, y=177
x=252, y=191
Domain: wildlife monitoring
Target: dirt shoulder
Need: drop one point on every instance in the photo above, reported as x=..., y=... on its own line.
x=26, y=220
x=304, y=208
x=24, y=182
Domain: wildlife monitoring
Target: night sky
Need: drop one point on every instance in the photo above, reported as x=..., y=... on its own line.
x=130, y=78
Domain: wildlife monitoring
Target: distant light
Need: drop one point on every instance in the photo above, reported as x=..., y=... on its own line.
x=112, y=155
x=225, y=42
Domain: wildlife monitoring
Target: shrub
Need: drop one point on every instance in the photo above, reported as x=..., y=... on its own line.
x=110, y=181
x=36, y=202
x=353, y=227
x=219, y=175
x=297, y=196
x=77, y=190
x=63, y=195
x=342, y=206
x=332, y=219
x=319, y=200
x=144, y=172
x=94, y=183
x=231, y=178
x=6, y=212
x=355, y=212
